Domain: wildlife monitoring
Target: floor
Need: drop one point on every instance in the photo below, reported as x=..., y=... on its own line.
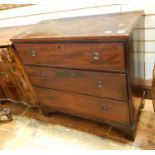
x=31, y=130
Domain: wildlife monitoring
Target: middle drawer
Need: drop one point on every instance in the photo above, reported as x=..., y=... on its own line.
x=101, y=84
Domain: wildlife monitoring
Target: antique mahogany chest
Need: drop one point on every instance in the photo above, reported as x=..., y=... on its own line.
x=87, y=66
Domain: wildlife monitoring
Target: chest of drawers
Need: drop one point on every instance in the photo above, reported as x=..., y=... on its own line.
x=87, y=67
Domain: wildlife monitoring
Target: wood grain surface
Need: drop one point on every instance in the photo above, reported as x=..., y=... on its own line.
x=92, y=56
x=101, y=84
x=112, y=26
x=84, y=106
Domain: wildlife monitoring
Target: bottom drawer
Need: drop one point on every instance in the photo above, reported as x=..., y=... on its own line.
x=95, y=108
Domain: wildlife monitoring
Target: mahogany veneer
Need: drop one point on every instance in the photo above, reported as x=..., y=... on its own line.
x=102, y=84
x=110, y=56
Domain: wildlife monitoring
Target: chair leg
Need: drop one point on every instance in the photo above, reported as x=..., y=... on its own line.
x=7, y=113
x=4, y=111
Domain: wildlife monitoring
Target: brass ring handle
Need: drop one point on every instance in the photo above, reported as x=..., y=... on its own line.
x=99, y=84
x=104, y=108
x=96, y=56
x=72, y=73
x=43, y=76
x=51, y=97
x=33, y=53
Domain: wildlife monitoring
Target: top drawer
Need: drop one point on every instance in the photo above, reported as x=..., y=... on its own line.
x=91, y=56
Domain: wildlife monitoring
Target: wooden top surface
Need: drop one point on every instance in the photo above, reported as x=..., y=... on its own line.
x=112, y=26
x=115, y=25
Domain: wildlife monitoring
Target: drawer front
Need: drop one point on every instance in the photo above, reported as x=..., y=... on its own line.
x=84, y=106
x=93, y=56
x=110, y=85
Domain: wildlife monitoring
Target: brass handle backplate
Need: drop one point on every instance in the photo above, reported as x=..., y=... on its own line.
x=33, y=53
x=43, y=76
x=104, y=108
x=99, y=84
x=51, y=97
x=96, y=56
